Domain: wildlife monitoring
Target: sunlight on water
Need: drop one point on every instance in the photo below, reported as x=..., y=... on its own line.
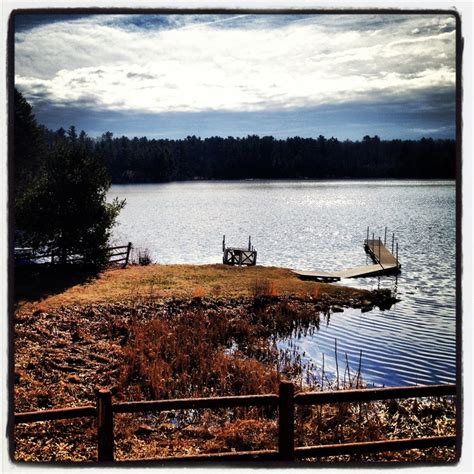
x=321, y=225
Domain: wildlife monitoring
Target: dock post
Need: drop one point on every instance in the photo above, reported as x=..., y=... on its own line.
x=385, y=238
x=250, y=243
x=379, y=247
x=373, y=239
x=393, y=240
x=367, y=241
x=397, y=253
x=223, y=243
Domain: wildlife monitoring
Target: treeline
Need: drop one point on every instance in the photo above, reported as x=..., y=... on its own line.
x=253, y=157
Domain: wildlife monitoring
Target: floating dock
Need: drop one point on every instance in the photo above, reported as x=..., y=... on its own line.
x=385, y=263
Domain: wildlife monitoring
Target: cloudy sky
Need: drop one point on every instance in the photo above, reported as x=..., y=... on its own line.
x=283, y=75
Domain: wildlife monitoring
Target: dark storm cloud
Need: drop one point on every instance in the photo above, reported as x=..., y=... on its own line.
x=432, y=115
x=263, y=72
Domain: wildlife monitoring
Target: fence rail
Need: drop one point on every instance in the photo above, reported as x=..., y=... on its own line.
x=286, y=401
x=372, y=394
x=28, y=256
x=56, y=414
x=194, y=403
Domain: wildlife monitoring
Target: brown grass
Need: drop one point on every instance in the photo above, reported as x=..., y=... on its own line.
x=183, y=281
x=207, y=349
x=152, y=349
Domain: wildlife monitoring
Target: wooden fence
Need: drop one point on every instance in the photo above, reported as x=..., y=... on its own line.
x=286, y=400
x=122, y=252
x=27, y=256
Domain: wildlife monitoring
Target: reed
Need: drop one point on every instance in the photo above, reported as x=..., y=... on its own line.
x=194, y=347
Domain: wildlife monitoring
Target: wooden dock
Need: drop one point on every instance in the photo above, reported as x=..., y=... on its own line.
x=385, y=263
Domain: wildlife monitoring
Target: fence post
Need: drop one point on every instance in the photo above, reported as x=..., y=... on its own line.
x=286, y=421
x=105, y=426
x=129, y=248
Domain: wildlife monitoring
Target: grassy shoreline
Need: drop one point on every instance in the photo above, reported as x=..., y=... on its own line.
x=172, y=281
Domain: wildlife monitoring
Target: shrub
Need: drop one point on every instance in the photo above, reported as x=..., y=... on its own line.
x=144, y=257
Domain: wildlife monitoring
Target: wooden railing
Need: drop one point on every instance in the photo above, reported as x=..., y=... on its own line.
x=51, y=258
x=286, y=401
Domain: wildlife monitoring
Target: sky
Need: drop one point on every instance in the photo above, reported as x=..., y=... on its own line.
x=171, y=76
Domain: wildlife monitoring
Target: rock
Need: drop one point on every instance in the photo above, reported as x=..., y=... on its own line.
x=367, y=308
x=337, y=309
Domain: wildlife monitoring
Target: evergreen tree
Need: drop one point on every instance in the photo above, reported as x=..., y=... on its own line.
x=64, y=209
x=28, y=144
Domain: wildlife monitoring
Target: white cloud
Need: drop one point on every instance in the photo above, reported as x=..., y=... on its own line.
x=104, y=63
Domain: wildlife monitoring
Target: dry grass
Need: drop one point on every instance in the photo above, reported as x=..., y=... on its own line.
x=207, y=349
x=183, y=281
x=151, y=349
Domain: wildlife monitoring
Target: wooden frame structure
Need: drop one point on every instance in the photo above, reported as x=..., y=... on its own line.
x=239, y=256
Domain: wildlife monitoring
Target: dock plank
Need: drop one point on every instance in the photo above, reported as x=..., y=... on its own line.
x=356, y=272
x=379, y=253
x=365, y=271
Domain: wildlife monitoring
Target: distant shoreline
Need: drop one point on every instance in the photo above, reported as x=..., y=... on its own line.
x=441, y=181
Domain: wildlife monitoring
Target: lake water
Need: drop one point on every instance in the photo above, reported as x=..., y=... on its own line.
x=322, y=225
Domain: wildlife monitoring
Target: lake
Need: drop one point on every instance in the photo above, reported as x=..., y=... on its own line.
x=322, y=225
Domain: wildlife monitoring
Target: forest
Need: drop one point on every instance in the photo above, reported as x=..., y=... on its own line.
x=139, y=160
